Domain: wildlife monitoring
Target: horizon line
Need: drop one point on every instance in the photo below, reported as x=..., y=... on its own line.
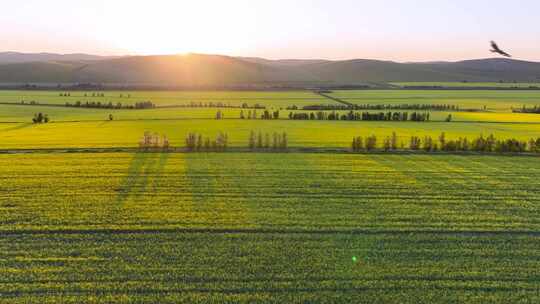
x=256, y=57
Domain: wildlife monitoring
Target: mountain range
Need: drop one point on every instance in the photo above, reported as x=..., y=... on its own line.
x=198, y=70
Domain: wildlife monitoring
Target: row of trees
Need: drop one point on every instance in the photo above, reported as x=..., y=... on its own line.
x=266, y=115
x=524, y=109
x=196, y=143
x=110, y=105
x=221, y=105
x=361, y=116
x=420, y=107
x=154, y=141
x=40, y=118
x=487, y=144
x=276, y=141
x=68, y=94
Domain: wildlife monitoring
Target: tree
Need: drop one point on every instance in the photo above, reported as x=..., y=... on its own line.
x=252, y=140
x=260, y=141
x=449, y=118
x=442, y=141
x=285, y=141
x=387, y=144
x=371, y=142
x=191, y=142
x=111, y=117
x=199, y=142
x=242, y=115
x=38, y=118
x=219, y=115
x=415, y=143
x=393, y=141
x=357, y=144
x=267, y=141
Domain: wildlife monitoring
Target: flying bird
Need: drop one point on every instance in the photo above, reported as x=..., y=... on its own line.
x=496, y=49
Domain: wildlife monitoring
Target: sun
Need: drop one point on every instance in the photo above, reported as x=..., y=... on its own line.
x=177, y=27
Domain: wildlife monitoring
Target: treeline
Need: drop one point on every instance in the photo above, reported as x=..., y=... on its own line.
x=524, y=109
x=274, y=142
x=488, y=144
x=196, y=143
x=266, y=115
x=361, y=116
x=154, y=140
x=94, y=94
x=110, y=105
x=420, y=107
x=220, y=105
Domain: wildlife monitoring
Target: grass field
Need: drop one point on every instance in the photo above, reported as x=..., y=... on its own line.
x=266, y=227
x=331, y=134
x=275, y=99
x=269, y=228
x=23, y=114
x=476, y=99
x=79, y=127
x=469, y=84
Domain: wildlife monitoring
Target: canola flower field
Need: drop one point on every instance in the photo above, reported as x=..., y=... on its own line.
x=265, y=227
x=243, y=227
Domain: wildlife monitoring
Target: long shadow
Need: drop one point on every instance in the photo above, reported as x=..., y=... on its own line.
x=143, y=166
x=163, y=158
x=135, y=171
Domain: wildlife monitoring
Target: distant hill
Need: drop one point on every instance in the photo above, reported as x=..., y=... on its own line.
x=15, y=57
x=197, y=70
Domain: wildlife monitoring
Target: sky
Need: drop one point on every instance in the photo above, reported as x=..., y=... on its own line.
x=399, y=30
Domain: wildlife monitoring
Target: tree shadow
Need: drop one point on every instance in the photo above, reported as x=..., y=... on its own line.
x=142, y=167
x=135, y=173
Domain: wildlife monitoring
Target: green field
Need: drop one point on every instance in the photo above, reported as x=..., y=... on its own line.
x=494, y=100
x=265, y=227
x=275, y=99
x=503, y=85
x=269, y=228
x=332, y=134
x=80, y=127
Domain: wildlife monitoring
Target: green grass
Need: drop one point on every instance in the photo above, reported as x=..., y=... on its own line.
x=255, y=227
x=494, y=100
x=269, y=228
x=336, y=134
x=271, y=99
x=468, y=84
x=22, y=114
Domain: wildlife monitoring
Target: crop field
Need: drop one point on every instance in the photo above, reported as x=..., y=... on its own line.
x=503, y=85
x=91, y=128
x=23, y=114
x=493, y=100
x=311, y=225
x=312, y=134
x=241, y=227
x=275, y=99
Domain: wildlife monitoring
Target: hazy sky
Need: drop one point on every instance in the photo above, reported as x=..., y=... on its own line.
x=406, y=30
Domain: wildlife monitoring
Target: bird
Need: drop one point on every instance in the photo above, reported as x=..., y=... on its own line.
x=496, y=49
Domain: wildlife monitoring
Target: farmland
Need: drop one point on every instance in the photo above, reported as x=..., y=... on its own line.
x=493, y=100
x=86, y=127
x=167, y=98
x=196, y=227
x=498, y=85
x=318, y=226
